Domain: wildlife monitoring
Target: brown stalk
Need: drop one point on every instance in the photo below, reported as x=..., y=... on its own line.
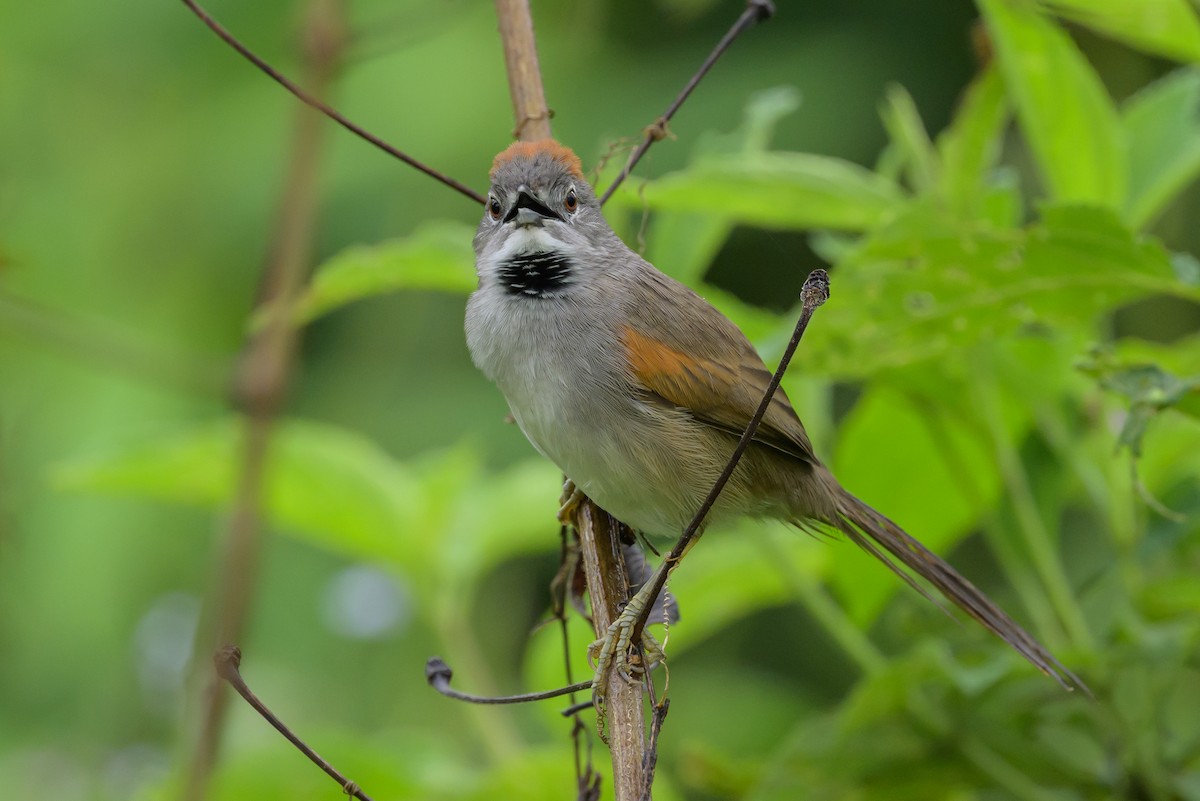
x=524, y=75
x=609, y=590
x=260, y=385
x=312, y=99
x=228, y=661
x=438, y=674
x=599, y=533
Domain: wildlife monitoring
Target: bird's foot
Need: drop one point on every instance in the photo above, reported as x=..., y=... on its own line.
x=572, y=496
x=615, y=652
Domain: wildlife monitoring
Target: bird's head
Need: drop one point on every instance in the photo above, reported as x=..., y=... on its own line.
x=539, y=207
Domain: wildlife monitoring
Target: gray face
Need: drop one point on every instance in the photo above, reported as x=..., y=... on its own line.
x=540, y=226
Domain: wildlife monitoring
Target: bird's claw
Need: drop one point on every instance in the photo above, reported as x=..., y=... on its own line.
x=614, y=652
x=572, y=496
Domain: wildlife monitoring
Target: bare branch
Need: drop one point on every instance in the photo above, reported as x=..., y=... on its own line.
x=599, y=533
x=438, y=674
x=260, y=383
x=524, y=76
x=609, y=590
x=310, y=99
x=756, y=10
x=659, y=711
x=228, y=661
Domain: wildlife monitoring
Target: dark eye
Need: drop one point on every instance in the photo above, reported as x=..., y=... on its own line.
x=570, y=203
x=494, y=208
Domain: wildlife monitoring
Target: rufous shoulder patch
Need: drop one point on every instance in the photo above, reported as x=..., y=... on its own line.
x=547, y=147
x=651, y=360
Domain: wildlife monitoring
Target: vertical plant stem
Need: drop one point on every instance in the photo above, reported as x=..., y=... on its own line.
x=1031, y=593
x=530, y=112
x=1053, y=429
x=607, y=580
x=1001, y=771
x=608, y=588
x=500, y=738
x=827, y=612
x=260, y=387
x=1029, y=520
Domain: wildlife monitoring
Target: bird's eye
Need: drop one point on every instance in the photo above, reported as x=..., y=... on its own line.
x=494, y=208
x=571, y=202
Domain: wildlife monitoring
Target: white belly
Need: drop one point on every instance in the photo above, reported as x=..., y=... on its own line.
x=568, y=391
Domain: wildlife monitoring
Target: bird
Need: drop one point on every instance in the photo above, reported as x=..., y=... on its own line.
x=638, y=389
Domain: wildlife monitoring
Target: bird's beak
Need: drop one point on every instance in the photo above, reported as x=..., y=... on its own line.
x=529, y=211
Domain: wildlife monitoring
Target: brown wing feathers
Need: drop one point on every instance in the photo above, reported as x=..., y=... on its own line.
x=714, y=393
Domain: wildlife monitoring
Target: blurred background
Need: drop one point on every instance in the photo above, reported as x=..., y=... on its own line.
x=139, y=193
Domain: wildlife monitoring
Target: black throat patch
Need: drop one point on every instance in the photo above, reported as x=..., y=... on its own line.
x=535, y=275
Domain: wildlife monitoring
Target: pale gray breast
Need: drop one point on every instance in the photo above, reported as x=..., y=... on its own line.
x=554, y=362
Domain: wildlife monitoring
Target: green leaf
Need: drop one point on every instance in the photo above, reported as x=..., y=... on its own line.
x=920, y=466
x=1063, y=108
x=762, y=327
x=1147, y=388
x=1001, y=205
x=908, y=135
x=684, y=243
x=970, y=146
x=325, y=484
x=1082, y=259
x=339, y=491
x=764, y=110
x=507, y=513
x=1164, y=27
x=438, y=256
x=756, y=565
x=927, y=285
x=1162, y=127
x=779, y=190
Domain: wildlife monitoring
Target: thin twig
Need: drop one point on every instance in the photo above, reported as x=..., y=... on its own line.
x=575, y=709
x=227, y=661
x=814, y=293
x=756, y=11
x=260, y=385
x=311, y=100
x=659, y=716
x=438, y=674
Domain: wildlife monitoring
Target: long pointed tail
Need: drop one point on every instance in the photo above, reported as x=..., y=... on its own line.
x=855, y=519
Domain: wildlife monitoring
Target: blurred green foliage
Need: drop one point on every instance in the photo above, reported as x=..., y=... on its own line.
x=1009, y=365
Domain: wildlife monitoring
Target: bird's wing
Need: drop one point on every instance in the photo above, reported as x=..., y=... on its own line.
x=689, y=355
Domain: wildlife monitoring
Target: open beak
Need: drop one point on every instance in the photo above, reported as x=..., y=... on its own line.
x=529, y=211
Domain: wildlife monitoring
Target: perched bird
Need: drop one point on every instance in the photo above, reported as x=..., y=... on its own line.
x=638, y=389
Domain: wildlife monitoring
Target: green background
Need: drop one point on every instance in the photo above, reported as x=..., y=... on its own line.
x=953, y=381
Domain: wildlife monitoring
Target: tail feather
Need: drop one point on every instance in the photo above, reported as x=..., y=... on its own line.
x=855, y=519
